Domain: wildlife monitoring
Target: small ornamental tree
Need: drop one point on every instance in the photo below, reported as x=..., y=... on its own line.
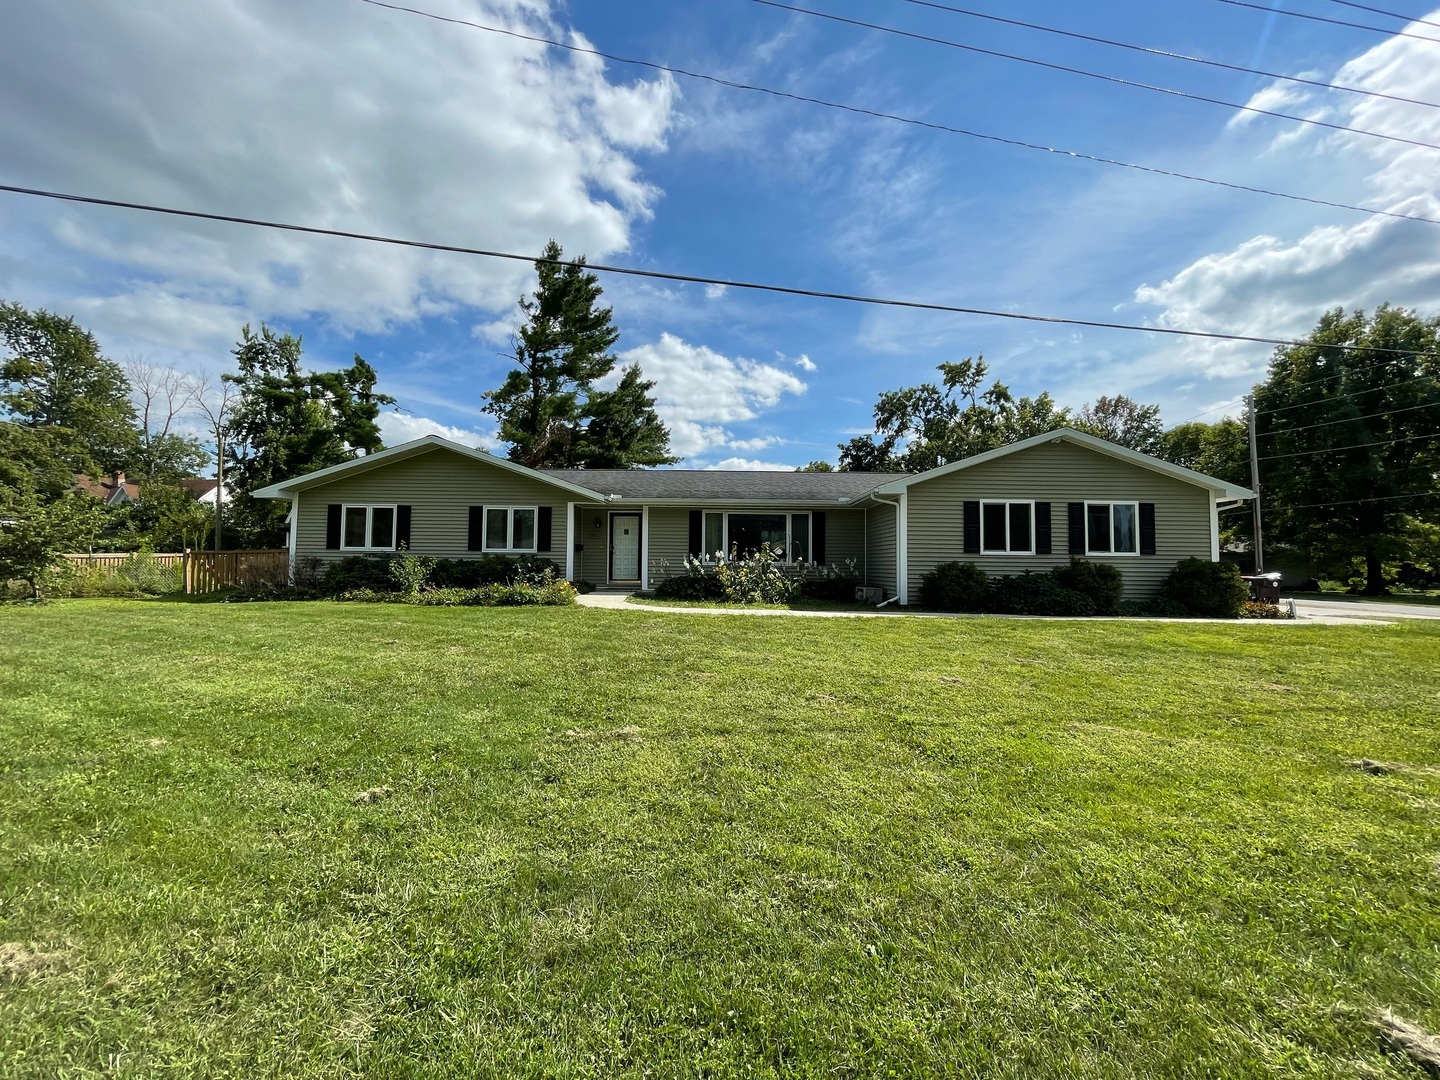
x=35, y=534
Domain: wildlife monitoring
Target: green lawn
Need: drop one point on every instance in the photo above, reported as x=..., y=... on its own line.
x=643, y=844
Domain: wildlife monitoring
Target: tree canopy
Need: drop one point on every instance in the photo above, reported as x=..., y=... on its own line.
x=920, y=427
x=1348, y=455
x=548, y=408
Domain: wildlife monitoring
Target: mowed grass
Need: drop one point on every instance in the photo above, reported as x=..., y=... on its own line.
x=628, y=843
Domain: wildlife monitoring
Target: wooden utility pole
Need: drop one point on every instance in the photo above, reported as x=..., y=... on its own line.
x=1255, y=486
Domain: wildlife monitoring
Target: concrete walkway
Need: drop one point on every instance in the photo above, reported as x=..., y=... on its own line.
x=1309, y=612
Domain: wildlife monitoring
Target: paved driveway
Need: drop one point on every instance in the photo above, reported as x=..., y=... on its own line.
x=1364, y=611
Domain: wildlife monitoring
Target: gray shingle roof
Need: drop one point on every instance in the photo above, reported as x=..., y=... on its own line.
x=705, y=486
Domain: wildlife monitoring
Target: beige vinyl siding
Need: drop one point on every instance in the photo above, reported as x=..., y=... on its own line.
x=1059, y=473
x=591, y=564
x=880, y=547
x=670, y=534
x=439, y=487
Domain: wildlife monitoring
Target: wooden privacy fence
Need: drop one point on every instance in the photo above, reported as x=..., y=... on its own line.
x=210, y=571
x=200, y=571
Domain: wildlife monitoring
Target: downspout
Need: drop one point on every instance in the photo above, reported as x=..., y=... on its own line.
x=900, y=561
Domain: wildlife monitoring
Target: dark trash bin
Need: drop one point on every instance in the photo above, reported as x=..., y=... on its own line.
x=1264, y=587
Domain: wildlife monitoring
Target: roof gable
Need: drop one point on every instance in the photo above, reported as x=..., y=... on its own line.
x=430, y=443
x=1221, y=488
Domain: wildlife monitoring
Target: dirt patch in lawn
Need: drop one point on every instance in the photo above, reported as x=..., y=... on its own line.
x=20, y=962
x=1408, y=1039
x=373, y=795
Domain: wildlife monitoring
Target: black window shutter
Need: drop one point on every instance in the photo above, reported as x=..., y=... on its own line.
x=972, y=527
x=402, y=527
x=332, y=527
x=697, y=525
x=477, y=529
x=1042, y=528
x=1077, y=528
x=1147, y=528
x=817, y=537
x=544, y=530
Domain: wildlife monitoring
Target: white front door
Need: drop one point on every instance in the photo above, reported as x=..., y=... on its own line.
x=624, y=547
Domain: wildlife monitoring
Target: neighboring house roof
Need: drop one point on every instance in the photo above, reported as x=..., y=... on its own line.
x=1222, y=489
x=691, y=485
x=112, y=489
x=199, y=486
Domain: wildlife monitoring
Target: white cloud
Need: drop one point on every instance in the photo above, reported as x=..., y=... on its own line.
x=739, y=464
x=333, y=115
x=1278, y=96
x=1271, y=286
x=397, y=428
x=698, y=391
x=764, y=442
x=715, y=292
x=803, y=362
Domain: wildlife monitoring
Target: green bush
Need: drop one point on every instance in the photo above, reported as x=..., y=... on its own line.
x=410, y=572
x=691, y=586
x=1159, y=607
x=1101, y=582
x=359, y=572
x=955, y=586
x=757, y=579
x=1208, y=589
x=555, y=593
x=1036, y=594
x=1263, y=609
x=833, y=589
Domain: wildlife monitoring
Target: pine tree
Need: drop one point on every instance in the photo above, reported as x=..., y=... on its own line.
x=624, y=431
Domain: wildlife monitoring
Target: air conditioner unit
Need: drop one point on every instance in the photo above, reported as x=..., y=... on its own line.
x=869, y=594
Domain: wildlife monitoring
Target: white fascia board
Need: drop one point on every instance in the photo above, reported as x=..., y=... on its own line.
x=1218, y=487
x=359, y=465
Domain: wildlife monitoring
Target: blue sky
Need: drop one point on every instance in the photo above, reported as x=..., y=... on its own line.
x=341, y=114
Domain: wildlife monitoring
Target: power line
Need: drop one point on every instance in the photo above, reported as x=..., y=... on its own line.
x=1166, y=53
x=1333, y=22
x=690, y=279
x=1352, y=501
x=1169, y=91
x=1348, y=393
x=1207, y=412
x=1382, y=11
x=1348, y=419
x=1353, y=446
x=927, y=124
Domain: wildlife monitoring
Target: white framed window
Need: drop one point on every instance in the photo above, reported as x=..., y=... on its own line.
x=1007, y=528
x=510, y=529
x=740, y=533
x=367, y=527
x=1112, y=528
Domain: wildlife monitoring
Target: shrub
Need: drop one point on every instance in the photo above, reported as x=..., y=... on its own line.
x=410, y=572
x=1208, y=589
x=697, y=586
x=309, y=573
x=582, y=586
x=359, y=572
x=955, y=586
x=757, y=579
x=1159, y=607
x=1037, y=594
x=1263, y=609
x=1101, y=582
x=552, y=594
x=147, y=577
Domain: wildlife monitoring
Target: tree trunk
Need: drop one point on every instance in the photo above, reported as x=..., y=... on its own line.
x=1374, y=574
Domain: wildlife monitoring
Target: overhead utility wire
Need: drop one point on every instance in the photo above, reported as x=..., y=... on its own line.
x=1321, y=18
x=1168, y=54
x=1354, y=502
x=1347, y=393
x=1094, y=74
x=857, y=110
x=1345, y=420
x=691, y=279
x=1353, y=446
x=1388, y=14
